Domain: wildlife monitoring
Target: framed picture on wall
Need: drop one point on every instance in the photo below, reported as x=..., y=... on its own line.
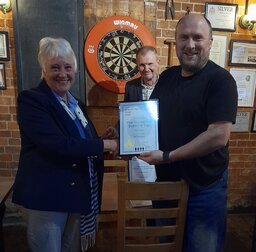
x=242, y=122
x=221, y=15
x=254, y=121
x=219, y=49
x=2, y=76
x=4, y=46
x=245, y=81
x=242, y=53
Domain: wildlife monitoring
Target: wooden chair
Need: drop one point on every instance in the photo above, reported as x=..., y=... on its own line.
x=133, y=233
x=109, y=189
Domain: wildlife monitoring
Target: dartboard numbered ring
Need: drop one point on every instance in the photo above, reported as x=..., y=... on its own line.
x=110, y=51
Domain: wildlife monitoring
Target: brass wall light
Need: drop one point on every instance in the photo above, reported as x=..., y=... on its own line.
x=5, y=6
x=248, y=20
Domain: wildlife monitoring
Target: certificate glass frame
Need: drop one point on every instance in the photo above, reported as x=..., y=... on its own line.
x=2, y=76
x=242, y=53
x=138, y=127
x=221, y=15
x=245, y=81
x=254, y=121
x=4, y=46
x=242, y=122
x=219, y=49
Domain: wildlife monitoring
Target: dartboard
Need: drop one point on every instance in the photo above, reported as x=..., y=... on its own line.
x=117, y=54
x=110, y=51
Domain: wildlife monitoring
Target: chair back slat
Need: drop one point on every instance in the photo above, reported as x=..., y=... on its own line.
x=151, y=213
x=153, y=191
x=150, y=231
x=166, y=247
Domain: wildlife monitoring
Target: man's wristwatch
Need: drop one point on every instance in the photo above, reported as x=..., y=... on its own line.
x=166, y=158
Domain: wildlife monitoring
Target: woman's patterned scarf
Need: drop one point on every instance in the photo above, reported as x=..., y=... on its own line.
x=88, y=224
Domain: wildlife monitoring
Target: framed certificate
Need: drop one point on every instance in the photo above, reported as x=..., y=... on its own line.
x=242, y=53
x=245, y=81
x=219, y=49
x=4, y=46
x=138, y=127
x=254, y=121
x=242, y=122
x=2, y=76
x=221, y=15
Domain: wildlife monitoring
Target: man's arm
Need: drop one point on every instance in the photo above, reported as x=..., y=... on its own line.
x=215, y=137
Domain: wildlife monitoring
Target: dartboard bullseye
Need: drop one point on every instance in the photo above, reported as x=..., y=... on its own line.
x=110, y=51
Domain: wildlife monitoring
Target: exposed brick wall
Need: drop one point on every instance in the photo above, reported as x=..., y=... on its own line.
x=242, y=170
x=103, y=105
x=9, y=133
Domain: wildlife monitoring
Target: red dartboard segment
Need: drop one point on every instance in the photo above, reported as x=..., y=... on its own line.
x=110, y=51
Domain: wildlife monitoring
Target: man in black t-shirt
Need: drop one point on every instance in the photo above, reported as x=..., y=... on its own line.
x=197, y=106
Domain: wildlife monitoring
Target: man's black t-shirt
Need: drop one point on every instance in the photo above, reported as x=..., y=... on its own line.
x=187, y=105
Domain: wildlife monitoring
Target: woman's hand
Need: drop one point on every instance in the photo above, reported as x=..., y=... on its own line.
x=110, y=133
x=111, y=146
x=152, y=157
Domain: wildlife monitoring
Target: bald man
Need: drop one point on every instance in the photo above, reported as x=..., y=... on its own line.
x=197, y=106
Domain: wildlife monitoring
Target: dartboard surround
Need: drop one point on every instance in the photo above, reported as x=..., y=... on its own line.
x=110, y=51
